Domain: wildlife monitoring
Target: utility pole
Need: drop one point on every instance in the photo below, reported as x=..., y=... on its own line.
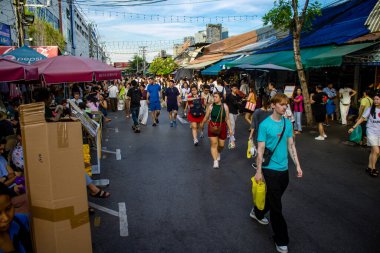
x=143, y=50
x=19, y=13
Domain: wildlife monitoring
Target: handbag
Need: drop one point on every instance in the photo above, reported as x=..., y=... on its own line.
x=250, y=106
x=268, y=153
x=258, y=193
x=356, y=135
x=214, y=129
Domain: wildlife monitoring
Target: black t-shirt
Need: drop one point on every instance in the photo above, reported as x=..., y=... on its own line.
x=6, y=128
x=172, y=94
x=320, y=100
x=233, y=103
x=135, y=95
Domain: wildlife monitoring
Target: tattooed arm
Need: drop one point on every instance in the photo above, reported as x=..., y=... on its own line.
x=293, y=154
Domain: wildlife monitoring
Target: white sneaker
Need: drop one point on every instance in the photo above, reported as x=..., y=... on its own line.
x=263, y=221
x=201, y=135
x=282, y=249
x=216, y=164
x=324, y=136
x=320, y=138
x=218, y=157
x=195, y=142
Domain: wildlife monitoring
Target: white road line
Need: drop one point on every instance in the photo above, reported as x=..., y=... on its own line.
x=104, y=209
x=183, y=121
x=123, y=219
x=116, y=130
x=108, y=151
x=118, y=154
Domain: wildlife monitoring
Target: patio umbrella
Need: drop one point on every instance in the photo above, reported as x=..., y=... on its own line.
x=24, y=54
x=66, y=68
x=11, y=71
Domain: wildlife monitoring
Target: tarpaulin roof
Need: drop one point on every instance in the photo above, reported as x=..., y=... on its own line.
x=324, y=56
x=216, y=68
x=24, y=54
x=200, y=65
x=337, y=25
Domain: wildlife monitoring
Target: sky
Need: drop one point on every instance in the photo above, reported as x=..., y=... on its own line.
x=124, y=28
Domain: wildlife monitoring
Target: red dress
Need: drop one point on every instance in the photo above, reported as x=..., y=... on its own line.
x=190, y=117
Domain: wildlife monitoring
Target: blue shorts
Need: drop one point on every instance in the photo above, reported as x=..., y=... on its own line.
x=154, y=106
x=172, y=107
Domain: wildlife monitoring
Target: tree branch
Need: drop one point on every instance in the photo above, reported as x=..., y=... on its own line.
x=303, y=15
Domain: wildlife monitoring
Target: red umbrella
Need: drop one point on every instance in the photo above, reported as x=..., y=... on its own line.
x=66, y=68
x=11, y=71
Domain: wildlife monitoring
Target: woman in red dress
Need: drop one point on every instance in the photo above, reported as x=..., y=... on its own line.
x=195, y=115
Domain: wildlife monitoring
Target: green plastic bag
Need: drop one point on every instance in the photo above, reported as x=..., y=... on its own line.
x=356, y=135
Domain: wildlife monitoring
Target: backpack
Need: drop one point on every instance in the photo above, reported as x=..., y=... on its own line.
x=197, y=109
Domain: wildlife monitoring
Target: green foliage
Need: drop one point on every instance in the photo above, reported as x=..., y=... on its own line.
x=281, y=16
x=44, y=34
x=162, y=66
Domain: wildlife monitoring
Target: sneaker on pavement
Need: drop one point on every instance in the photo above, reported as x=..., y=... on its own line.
x=263, y=221
x=320, y=138
x=216, y=164
x=157, y=121
x=282, y=249
x=171, y=123
x=324, y=136
x=195, y=142
x=201, y=135
x=154, y=124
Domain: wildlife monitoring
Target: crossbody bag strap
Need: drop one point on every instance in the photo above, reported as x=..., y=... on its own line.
x=282, y=134
x=221, y=113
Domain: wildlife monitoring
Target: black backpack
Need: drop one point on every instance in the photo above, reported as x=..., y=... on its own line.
x=197, y=109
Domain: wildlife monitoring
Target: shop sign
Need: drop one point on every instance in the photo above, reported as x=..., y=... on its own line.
x=5, y=35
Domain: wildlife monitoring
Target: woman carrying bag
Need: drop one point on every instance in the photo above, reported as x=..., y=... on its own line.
x=372, y=115
x=218, y=114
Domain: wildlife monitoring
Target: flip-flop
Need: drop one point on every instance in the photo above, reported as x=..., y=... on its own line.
x=101, y=194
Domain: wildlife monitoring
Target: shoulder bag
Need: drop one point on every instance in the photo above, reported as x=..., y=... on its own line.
x=214, y=129
x=268, y=153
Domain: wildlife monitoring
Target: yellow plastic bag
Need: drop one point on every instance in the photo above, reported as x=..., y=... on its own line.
x=249, y=155
x=258, y=193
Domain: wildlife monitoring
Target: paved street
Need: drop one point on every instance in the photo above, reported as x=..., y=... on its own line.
x=176, y=201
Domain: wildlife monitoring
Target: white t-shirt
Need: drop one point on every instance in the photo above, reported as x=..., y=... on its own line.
x=345, y=93
x=185, y=93
x=373, y=125
x=220, y=89
x=112, y=91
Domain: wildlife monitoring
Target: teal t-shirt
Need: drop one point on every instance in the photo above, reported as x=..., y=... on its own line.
x=270, y=132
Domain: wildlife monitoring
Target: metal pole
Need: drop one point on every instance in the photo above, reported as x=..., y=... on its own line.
x=19, y=13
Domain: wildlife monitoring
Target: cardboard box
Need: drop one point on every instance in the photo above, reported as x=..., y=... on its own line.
x=55, y=182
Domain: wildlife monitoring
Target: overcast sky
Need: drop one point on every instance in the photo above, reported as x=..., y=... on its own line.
x=116, y=27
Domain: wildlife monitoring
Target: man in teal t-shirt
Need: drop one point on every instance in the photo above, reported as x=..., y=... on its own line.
x=276, y=172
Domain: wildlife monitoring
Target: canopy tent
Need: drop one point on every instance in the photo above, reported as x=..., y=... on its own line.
x=24, y=54
x=263, y=66
x=62, y=69
x=11, y=71
x=216, y=68
x=315, y=57
x=182, y=73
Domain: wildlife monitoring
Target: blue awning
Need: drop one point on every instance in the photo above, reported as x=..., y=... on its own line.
x=216, y=68
x=337, y=25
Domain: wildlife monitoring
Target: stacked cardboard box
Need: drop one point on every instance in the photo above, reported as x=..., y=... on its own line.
x=56, y=188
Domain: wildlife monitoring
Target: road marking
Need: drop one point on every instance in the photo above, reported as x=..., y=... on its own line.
x=183, y=121
x=123, y=219
x=103, y=209
x=116, y=130
x=118, y=154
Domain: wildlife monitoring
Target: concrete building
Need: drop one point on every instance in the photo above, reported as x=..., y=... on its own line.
x=213, y=33
x=200, y=37
x=224, y=33
x=190, y=39
x=8, y=33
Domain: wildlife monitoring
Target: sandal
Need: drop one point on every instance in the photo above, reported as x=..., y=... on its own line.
x=373, y=173
x=101, y=194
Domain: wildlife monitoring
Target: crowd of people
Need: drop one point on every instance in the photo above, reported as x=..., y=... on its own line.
x=272, y=118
